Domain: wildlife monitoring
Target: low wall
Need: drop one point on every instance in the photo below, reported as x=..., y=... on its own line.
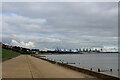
x=86, y=71
x=89, y=72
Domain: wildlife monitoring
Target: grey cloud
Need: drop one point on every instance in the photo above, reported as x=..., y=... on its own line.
x=67, y=25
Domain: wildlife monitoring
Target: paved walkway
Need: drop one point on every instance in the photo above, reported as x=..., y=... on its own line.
x=25, y=66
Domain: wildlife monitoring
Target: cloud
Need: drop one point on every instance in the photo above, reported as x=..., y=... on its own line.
x=64, y=25
x=23, y=44
x=21, y=23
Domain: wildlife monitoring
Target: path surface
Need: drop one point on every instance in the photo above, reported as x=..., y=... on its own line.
x=25, y=66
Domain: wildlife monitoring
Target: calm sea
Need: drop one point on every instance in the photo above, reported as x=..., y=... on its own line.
x=102, y=61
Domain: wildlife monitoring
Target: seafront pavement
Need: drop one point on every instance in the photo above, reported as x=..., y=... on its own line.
x=26, y=66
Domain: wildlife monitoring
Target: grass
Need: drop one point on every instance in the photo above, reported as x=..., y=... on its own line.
x=7, y=54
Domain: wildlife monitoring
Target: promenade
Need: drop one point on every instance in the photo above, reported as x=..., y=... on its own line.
x=26, y=66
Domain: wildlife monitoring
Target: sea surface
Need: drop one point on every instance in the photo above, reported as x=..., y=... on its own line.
x=106, y=62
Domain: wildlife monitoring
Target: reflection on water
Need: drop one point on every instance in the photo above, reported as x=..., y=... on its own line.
x=103, y=62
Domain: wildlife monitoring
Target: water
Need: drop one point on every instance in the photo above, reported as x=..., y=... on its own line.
x=102, y=61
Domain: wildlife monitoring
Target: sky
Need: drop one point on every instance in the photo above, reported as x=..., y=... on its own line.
x=64, y=25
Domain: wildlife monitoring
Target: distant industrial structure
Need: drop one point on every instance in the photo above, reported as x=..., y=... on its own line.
x=56, y=51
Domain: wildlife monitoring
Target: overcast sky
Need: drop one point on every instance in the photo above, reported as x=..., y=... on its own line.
x=48, y=25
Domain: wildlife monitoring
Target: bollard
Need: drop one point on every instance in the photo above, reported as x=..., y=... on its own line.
x=91, y=69
x=110, y=69
x=98, y=70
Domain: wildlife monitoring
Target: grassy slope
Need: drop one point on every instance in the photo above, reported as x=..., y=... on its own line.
x=7, y=54
x=0, y=53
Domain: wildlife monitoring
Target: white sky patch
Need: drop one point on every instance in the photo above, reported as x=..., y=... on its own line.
x=110, y=48
x=36, y=38
x=22, y=22
x=23, y=44
x=45, y=49
x=21, y=19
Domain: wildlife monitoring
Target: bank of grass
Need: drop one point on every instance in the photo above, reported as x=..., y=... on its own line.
x=8, y=54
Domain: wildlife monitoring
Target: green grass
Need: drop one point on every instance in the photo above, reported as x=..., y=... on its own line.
x=7, y=54
x=0, y=53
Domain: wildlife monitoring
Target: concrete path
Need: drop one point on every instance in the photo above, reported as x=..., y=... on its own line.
x=25, y=66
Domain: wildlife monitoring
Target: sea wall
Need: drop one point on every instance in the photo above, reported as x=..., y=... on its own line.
x=86, y=71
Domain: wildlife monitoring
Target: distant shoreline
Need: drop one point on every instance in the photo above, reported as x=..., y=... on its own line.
x=77, y=53
x=109, y=52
